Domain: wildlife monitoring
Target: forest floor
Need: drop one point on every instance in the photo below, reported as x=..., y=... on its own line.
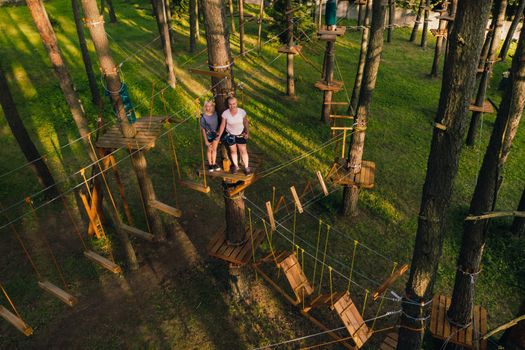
x=180, y=298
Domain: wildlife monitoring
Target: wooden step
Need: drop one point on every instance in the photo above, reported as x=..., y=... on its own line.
x=331, y=86
x=15, y=321
x=64, y=296
x=338, y=31
x=334, y=116
x=294, y=50
x=486, y=108
x=137, y=232
x=165, y=208
x=100, y=260
x=195, y=186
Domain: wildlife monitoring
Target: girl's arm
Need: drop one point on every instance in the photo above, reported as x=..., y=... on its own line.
x=221, y=129
x=246, y=130
x=205, y=136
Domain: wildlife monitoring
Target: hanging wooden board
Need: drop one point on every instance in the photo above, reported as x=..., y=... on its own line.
x=295, y=275
x=486, y=108
x=332, y=86
x=238, y=254
x=62, y=295
x=148, y=129
x=338, y=31
x=100, y=260
x=195, y=186
x=389, y=281
x=16, y=321
x=294, y=50
x=352, y=319
x=165, y=208
x=137, y=232
x=390, y=342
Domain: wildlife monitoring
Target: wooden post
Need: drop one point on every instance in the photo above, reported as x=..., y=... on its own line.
x=259, y=25
x=271, y=218
x=290, y=79
x=320, y=15
x=391, y=19
x=100, y=41
x=241, y=25
x=510, y=34
x=329, y=77
x=415, y=29
x=518, y=225
x=442, y=29
x=232, y=17
x=168, y=58
x=425, y=25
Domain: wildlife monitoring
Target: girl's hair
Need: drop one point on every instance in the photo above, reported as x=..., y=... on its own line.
x=206, y=103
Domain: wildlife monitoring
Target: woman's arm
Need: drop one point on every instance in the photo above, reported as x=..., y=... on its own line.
x=246, y=130
x=221, y=129
x=205, y=136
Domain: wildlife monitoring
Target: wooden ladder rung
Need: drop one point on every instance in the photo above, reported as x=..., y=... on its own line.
x=335, y=116
x=195, y=186
x=100, y=260
x=16, y=321
x=165, y=208
x=137, y=232
x=61, y=294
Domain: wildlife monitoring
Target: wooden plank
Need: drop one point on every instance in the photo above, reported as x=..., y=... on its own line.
x=257, y=240
x=210, y=73
x=322, y=183
x=16, y=321
x=337, y=116
x=294, y=50
x=270, y=215
x=441, y=317
x=332, y=86
x=327, y=37
x=165, y=208
x=446, y=330
x=483, y=327
x=340, y=30
x=495, y=214
x=389, y=281
x=297, y=200
x=137, y=232
x=337, y=128
x=446, y=18
x=195, y=186
x=239, y=176
x=105, y=263
x=62, y=295
x=485, y=108
x=433, y=315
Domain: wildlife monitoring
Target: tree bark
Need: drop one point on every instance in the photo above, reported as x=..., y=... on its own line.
x=88, y=66
x=112, y=14
x=515, y=21
x=373, y=60
x=193, y=24
x=168, y=58
x=39, y=14
x=25, y=143
x=483, y=200
x=425, y=25
x=241, y=25
x=458, y=79
x=442, y=27
x=415, y=29
x=495, y=38
x=109, y=70
x=159, y=26
x=518, y=225
x=362, y=59
x=328, y=78
x=391, y=19
x=232, y=17
x=290, y=76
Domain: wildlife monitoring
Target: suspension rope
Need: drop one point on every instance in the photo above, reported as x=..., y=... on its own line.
x=324, y=257
x=382, y=300
x=10, y=301
x=317, y=251
x=356, y=242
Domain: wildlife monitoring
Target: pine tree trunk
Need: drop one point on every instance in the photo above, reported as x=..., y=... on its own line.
x=168, y=58
x=112, y=14
x=495, y=38
x=362, y=60
x=290, y=76
x=475, y=232
x=108, y=67
x=169, y=16
x=328, y=78
x=508, y=39
x=442, y=27
x=241, y=25
x=88, y=66
x=193, y=24
x=373, y=60
x=461, y=62
x=391, y=19
x=518, y=225
x=425, y=25
x=159, y=26
x=21, y=135
x=39, y=14
x=232, y=17
x=415, y=29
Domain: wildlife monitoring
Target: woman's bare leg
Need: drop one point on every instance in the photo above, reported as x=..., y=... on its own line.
x=233, y=153
x=244, y=154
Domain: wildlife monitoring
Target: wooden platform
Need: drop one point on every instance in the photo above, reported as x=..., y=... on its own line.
x=294, y=273
x=292, y=49
x=364, y=179
x=440, y=327
x=339, y=31
x=61, y=294
x=438, y=33
x=446, y=18
x=332, y=86
x=148, y=129
x=486, y=108
x=241, y=254
x=239, y=176
x=352, y=319
x=390, y=342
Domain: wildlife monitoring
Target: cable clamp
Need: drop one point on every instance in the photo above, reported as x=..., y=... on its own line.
x=88, y=22
x=221, y=67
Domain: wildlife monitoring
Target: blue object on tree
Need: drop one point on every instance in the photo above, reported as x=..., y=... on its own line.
x=330, y=14
x=126, y=101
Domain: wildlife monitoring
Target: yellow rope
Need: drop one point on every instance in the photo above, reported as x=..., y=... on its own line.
x=10, y=302
x=331, y=291
x=141, y=197
x=172, y=143
x=251, y=237
x=202, y=151
x=269, y=241
x=324, y=257
x=383, y=299
x=364, y=303
x=273, y=196
x=356, y=242
x=316, y=252
x=294, y=223
x=302, y=267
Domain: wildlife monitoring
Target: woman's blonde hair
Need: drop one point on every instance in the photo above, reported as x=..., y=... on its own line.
x=206, y=103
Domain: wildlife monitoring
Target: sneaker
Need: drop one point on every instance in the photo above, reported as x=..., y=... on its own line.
x=247, y=170
x=216, y=167
x=211, y=168
x=233, y=169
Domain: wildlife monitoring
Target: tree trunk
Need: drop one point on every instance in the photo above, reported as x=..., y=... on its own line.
x=362, y=60
x=109, y=70
x=241, y=25
x=461, y=62
x=112, y=15
x=39, y=14
x=259, y=25
x=442, y=27
x=359, y=15
x=483, y=200
x=21, y=135
x=290, y=79
x=512, y=29
x=88, y=66
x=193, y=24
x=169, y=16
x=425, y=25
x=159, y=26
x=391, y=19
x=168, y=58
x=495, y=35
x=232, y=17
x=514, y=337
x=355, y=152
x=328, y=78
x=415, y=29
x=518, y=225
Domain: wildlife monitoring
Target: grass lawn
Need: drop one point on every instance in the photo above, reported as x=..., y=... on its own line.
x=172, y=302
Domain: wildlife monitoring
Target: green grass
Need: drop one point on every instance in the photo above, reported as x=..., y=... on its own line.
x=197, y=307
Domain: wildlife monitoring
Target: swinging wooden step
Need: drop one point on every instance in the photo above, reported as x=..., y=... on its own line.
x=332, y=86
x=390, y=342
x=137, y=232
x=210, y=73
x=294, y=50
x=100, y=260
x=335, y=116
x=389, y=281
x=438, y=33
x=240, y=254
x=468, y=337
x=339, y=31
x=226, y=175
x=16, y=321
x=165, y=208
x=341, y=176
x=327, y=37
x=486, y=108
x=352, y=319
x=64, y=296
x=148, y=129
x=323, y=300
x=195, y=186
x=446, y=18
x=294, y=273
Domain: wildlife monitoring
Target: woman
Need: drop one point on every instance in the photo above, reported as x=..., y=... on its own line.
x=235, y=133
x=209, y=123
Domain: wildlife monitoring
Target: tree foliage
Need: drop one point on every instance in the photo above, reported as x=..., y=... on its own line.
x=302, y=19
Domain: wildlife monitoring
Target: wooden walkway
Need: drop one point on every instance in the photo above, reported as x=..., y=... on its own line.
x=364, y=179
x=148, y=129
x=241, y=254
